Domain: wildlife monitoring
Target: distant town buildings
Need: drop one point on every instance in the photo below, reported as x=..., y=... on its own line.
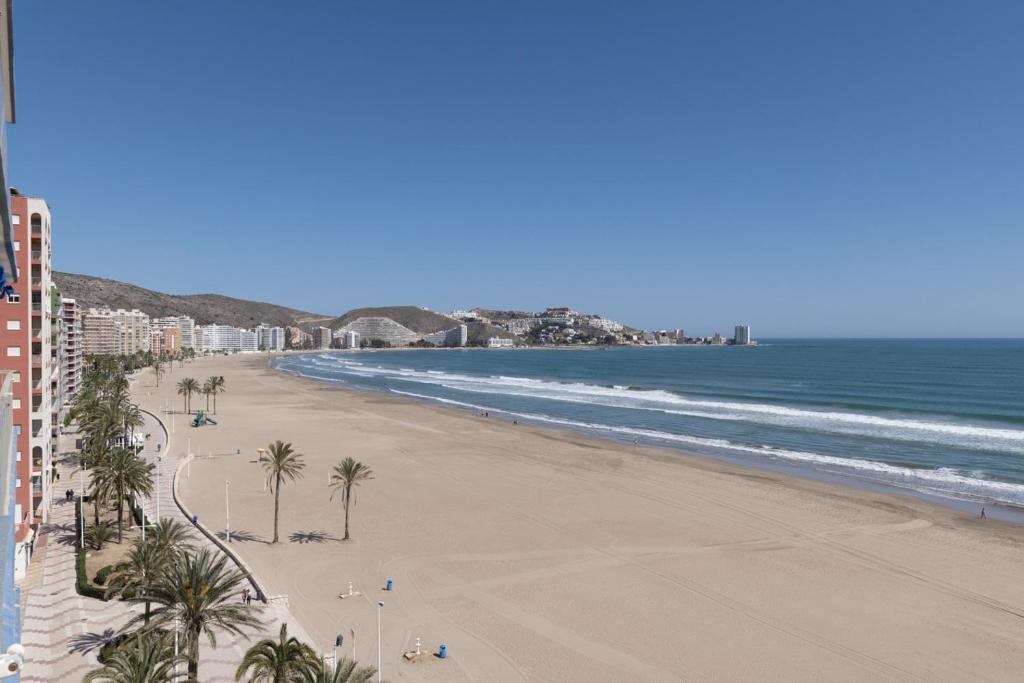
x=500, y=343
x=457, y=336
x=384, y=329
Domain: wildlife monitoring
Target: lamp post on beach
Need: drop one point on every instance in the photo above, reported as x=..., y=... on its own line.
x=227, y=510
x=380, y=608
x=81, y=507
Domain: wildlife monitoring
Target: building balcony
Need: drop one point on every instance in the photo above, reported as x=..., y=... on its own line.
x=37, y=255
x=37, y=359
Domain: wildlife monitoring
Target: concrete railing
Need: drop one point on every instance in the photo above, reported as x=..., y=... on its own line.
x=239, y=562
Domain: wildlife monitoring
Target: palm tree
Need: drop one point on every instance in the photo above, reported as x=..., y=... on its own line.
x=152, y=660
x=201, y=591
x=217, y=386
x=345, y=476
x=168, y=536
x=158, y=369
x=344, y=672
x=123, y=474
x=281, y=463
x=186, y=388
x=207, y=389
x=137, y=572
x=98, y=534
x=282, y=661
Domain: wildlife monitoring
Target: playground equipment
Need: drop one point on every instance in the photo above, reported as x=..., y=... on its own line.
x=202, y=418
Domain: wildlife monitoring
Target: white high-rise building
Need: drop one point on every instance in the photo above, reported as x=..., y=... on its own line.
x=248, y=342
x=223, y=338
x=270, y=338
x=742, y=337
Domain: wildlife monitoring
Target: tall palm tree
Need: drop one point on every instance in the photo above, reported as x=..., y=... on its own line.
x=158, y=369
x=201, y=591
x=284, y=660
x=186, y=388
x=346, y=476
x=217, y=385
x=140, y=569
x=123, y=474
x=151, y=660
x=281, y=463
x=344, y=672
x=207, y=389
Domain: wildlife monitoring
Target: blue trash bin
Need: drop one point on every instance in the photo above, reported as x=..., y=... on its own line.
x=443, y=652
x=389, y=586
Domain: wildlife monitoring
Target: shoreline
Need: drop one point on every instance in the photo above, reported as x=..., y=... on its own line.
x=995, y=510
x=541, y=554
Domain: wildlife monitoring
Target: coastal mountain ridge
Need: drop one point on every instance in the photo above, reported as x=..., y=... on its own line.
x=97, y=292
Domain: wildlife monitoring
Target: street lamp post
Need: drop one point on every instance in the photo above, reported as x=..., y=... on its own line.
x=227, y=510
x=353, y=644
x=337, y=643
x=380, y=608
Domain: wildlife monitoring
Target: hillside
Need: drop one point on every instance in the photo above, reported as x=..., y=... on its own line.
x=205, y=308
x=416, y=319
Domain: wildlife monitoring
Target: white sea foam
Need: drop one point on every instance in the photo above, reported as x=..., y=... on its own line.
x=960, y=435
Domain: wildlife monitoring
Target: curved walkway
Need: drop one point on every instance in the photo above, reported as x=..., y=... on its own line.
x=62, y=630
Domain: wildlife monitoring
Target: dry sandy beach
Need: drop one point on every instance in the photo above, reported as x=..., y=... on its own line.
x=542, y=555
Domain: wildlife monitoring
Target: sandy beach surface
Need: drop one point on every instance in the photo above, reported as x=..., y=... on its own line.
x=542, y=555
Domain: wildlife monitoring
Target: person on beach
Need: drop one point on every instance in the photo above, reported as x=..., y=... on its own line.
x=248, y=597
x=245, y=596
x=983, y=513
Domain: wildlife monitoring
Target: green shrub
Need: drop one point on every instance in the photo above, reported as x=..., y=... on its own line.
x=102, y=574
x=82, y=581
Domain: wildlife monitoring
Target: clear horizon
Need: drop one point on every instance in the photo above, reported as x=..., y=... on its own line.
x=816, y=172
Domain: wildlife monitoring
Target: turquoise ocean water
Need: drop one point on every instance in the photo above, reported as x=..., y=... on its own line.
x=941, y=417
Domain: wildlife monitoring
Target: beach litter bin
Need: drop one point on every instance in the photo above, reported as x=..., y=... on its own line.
x=443, y=651
x=389, y=585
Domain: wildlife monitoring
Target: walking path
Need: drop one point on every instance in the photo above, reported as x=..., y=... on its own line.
x=62, y=631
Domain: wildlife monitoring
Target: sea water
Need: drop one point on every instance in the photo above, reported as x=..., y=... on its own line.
x=942, y=417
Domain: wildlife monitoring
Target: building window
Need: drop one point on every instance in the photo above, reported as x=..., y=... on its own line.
x=13, y=298
x=13, y=351
x=17, y=456
x=17, y=430
x=16, y=404
x=17, y=483
x=17, y=245
x=15, y=377
x=15, y=219
x=14, y=324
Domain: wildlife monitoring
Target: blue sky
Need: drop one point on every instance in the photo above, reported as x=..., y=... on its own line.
x=826, y=169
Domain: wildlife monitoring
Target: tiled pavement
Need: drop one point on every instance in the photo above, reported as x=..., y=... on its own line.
x=62, y=630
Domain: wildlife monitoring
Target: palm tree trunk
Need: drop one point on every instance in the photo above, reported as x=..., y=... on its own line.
x=193, y=657
x=146, y=618
x=277, y=498
x=96, y=508
x=120, y=507
x=215, y=403
x=348, y=499
x=207, y=403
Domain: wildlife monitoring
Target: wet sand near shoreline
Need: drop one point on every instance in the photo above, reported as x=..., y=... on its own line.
x=539, y=554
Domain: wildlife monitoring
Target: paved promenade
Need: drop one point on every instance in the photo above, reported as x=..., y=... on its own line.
x=63, y=631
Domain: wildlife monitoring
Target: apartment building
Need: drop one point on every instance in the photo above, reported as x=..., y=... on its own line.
x=101, y=333
x=186, y=327
x=26, y=353
x=322, y=337
x=135, y=330
x=269, y=338
x=72, y=359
